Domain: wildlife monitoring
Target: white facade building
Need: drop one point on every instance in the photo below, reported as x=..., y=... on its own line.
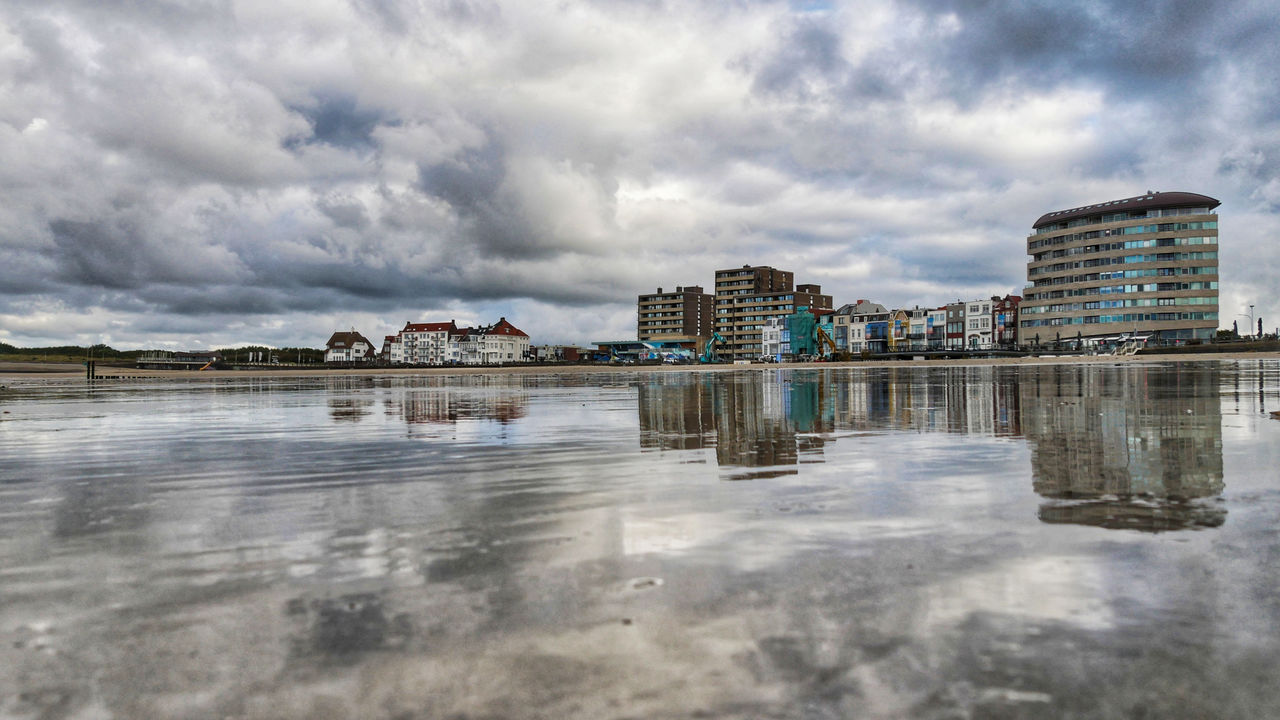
x=774, y=339
x=448, y=344
x=977, y=324
x=348, y=347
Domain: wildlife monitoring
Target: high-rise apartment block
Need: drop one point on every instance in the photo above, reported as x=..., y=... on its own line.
x=685, y=315
x=1145, y=265
x=748, y=296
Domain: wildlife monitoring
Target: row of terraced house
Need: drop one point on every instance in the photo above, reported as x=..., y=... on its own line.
x=440, y=343
x=749, y=312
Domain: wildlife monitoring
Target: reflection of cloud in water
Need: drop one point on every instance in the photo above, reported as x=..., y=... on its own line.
x=102, y=505
x=1047, y=588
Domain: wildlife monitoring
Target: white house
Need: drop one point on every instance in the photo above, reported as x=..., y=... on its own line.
x=499, y=343
x=348, y=347
x=447, y=344
x=775, y=339
x=977, y=328
x=423, y=343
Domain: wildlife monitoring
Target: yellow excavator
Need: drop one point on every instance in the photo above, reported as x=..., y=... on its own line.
x=826, y=346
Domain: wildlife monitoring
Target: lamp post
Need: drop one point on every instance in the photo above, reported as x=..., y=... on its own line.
x=1250, y=316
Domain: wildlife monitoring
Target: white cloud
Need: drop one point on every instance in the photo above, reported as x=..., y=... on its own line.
x=265, y=168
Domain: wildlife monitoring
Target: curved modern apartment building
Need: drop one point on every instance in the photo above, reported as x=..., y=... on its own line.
x=1146, y=265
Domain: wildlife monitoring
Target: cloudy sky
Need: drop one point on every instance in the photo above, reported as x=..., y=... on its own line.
x=218, y=172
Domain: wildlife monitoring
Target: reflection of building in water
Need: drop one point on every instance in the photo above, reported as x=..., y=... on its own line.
x=675, y=414
x=350, y=398
x=975, y=400
x=768, y=421
x=779, y=419
x=500, y=398
x=1125, y=447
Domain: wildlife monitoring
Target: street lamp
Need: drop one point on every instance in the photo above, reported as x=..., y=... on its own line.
x=1250, y=316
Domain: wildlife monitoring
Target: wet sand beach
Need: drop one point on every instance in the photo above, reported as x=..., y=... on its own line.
x=1033, y=538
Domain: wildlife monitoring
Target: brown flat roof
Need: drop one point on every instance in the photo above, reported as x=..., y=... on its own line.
x=1141, y=202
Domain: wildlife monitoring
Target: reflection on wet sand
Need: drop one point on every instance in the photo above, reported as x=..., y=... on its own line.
x=760, y=425
x=338, y=629
x=765, y=424
x=482, y=397
x=505, y=548
x=1126, y=447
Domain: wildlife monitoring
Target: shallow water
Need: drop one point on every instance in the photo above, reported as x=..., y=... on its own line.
x=1015, y=541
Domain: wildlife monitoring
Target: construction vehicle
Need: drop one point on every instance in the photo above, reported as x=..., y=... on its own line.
x=709, y=352
x=826, y=346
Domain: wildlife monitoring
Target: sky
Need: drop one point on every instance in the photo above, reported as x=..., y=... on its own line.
x=216, y=173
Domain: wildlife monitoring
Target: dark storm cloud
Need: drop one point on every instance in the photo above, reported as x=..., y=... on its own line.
x=809, y=49
x=25, y=272
x=470, y=182
x=495, y=220
x=91, y=253
x=339, y=121
x=1136, y=49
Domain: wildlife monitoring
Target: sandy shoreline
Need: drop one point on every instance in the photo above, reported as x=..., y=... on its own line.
x=31, y=370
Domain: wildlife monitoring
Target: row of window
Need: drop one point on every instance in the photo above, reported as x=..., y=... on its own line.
x=763, y=308
x=1121, y=217
x=1113, y=232
x=1096, y=262
x=1125, y=318
x=1117, y=274
x=1149, y=287
x=723, y=300
x=1126, y=245
x=1102, y=304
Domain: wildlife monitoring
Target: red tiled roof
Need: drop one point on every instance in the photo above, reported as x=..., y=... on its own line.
x=505, y=328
